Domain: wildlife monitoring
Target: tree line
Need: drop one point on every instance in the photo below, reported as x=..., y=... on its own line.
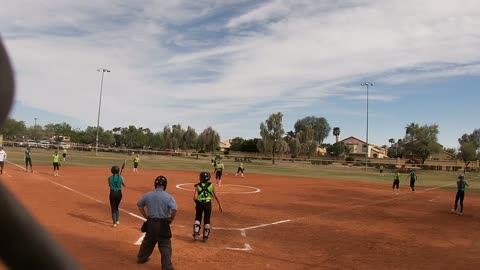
x=173, y=137
x=418, y=142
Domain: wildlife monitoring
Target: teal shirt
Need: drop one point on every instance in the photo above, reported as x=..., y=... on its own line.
x=461, y=185
x=28, y=154
x=115, y=182
x=413, y=176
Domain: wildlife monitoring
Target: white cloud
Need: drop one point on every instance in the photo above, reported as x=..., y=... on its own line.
x=192, y=62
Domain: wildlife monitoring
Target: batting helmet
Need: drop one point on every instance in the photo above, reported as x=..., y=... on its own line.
x=161, y=181
x=204, y=176
x=115, y=170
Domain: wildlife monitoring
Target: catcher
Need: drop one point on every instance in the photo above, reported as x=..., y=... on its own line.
x=203, y=195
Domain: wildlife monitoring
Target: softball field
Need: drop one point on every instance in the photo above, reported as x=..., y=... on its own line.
x=269, y=222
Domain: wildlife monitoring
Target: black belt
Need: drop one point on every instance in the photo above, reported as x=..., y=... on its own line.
x=206, y=201
x=158, y=219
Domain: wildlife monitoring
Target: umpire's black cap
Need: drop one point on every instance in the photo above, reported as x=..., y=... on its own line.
x=161, y=181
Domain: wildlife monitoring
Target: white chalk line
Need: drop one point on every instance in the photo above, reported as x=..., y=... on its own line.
x=246, y=248
x=255, y=190
x=253, y=227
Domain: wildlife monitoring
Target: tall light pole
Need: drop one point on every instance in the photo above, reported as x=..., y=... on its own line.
x=102, y=70
x=367, y=84
x=35, y=129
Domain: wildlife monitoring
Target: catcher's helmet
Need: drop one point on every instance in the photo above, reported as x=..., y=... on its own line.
x=115, y=170
x=204, y=176
x=161, y=181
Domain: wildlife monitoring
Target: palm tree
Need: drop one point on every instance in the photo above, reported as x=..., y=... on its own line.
x=336, y=133
x=391, y=141
x=410, y=128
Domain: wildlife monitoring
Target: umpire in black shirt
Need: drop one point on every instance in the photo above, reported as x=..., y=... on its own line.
x=161, y=211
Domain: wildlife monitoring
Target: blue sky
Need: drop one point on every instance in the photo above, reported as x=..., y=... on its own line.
x=230, y=64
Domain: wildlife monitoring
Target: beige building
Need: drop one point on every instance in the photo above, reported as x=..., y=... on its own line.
x=358, y=147
x=225, y=145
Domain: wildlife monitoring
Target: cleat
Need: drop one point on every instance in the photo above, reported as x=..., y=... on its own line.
x=205, y=239
x=118, y=223
x=195, y=236
x=114, y=225
x=453, y=211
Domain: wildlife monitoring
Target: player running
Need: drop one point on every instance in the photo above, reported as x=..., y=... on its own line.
x=115, y=182
x=28, y=159
x=218, y=172
x=202, y=196
x=396, y=182
x=461, y=185
x=64, y=155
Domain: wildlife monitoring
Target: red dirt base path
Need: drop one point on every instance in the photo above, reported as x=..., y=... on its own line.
x=291, y=223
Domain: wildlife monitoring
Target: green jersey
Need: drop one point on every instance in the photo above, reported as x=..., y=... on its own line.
x=461, y=185
x=396, y=176
x=205, y=191
x=219, y=167
x=56, y=158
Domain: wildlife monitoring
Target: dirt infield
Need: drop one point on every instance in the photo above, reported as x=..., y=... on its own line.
x=269, y=222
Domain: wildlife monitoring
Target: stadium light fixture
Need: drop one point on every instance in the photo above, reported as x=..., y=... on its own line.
x=102, y=70
x=367, y=84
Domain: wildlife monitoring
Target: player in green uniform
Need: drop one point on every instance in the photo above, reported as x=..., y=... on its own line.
x=28, y=159
x=461, y=185
x=203, y=195
x=136, y=160
x=396, y=182
x=240, y=169
x=413, y=177
x=219, y=171
x=64, y=155
x=56, y=163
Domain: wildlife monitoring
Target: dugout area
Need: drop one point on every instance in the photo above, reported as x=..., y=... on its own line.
x=291, y=223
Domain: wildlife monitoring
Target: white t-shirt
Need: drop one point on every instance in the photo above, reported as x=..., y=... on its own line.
x=3, y=155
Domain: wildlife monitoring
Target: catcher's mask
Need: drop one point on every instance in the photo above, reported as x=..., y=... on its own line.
x=204, y=176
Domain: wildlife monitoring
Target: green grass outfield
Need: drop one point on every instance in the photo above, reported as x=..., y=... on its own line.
x=426, y=178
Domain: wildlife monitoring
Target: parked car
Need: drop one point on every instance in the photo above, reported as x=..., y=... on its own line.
x=31, y=143
x=60, y=145
x=44, y=144
x=20, y=142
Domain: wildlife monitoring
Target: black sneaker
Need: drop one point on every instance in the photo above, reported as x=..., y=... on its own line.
x=143, y=261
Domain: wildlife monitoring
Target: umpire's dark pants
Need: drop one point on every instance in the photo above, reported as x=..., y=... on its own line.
x=157, y=232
